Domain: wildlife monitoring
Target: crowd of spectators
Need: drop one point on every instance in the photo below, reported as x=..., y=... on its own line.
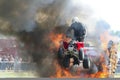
x=10, y=59
x=10, y=62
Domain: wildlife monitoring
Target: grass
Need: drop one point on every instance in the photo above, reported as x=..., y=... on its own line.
x=117, y=75
x=21, y=74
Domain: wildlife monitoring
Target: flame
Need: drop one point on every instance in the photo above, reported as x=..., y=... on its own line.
x=101, y=74
x=65, y=73
x=56, y=38
x=60, y=72
x=105, y=37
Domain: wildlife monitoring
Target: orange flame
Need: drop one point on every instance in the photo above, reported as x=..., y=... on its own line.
x=64, y=73
x=56, y=38
x=105, y=37
x=101, y=74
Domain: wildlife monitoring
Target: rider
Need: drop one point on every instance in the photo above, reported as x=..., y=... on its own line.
x=79, y=35
x=78, y=28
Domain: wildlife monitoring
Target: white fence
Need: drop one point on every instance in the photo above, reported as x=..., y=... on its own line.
x=7, y=65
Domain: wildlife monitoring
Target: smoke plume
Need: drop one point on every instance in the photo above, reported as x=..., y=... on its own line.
x=31, y=21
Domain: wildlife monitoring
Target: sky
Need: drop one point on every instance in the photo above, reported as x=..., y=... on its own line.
x=104, y=9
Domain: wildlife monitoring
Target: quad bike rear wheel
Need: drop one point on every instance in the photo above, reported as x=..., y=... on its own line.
x=81, y=54
x=86, y=63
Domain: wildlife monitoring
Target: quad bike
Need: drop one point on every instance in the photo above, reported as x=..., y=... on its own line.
x=78, y=52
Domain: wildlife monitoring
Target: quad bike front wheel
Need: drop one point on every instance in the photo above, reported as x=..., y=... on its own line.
x=66, y=62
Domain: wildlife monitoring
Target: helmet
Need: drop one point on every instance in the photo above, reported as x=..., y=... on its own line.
x=110, y=42
x=75, y=19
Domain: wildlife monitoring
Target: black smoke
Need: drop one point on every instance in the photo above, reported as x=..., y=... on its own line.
x=31, y=21
x=19, y=17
